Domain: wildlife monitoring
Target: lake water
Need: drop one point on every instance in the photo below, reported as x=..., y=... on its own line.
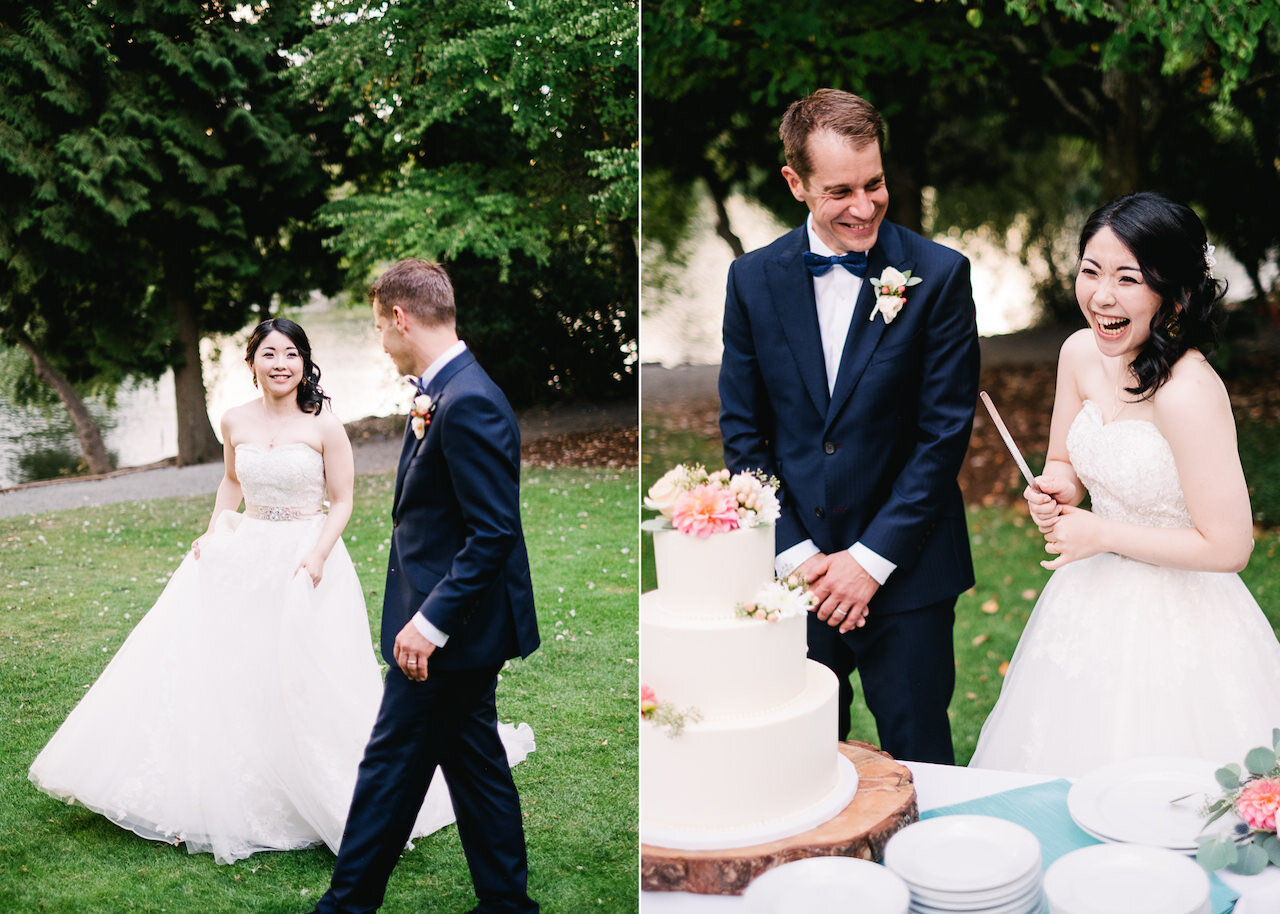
x=682, y=314
x=142, y=428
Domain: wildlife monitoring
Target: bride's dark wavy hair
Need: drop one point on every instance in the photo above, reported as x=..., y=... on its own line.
x=1169, y=242
x=311, y=398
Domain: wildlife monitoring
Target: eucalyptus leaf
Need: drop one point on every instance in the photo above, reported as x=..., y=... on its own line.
x=1215, y=853
x=1260, y=760
x=1228, y=777
x=1217, y=811
x=1275, y=738
x=1270, y=844
x=654, y=524
x=1252, y=861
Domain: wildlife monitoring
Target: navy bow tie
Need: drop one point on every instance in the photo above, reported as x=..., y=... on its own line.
x=855, y=262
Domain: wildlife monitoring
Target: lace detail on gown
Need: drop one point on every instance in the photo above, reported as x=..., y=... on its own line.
x=290, y=476
x=1116, y=658
x=1128, y=468
x=234, y=717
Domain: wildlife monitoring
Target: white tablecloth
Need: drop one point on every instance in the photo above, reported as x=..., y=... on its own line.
x=943, y=785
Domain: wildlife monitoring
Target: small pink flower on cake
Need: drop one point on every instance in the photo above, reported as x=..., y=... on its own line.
x=750, y=495
x=706, y=510
x=648, y=702
x=661, y=714
x=779, y=599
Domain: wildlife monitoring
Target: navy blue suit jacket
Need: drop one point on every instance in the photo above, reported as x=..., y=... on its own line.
x=877, y=460
x=457, y=547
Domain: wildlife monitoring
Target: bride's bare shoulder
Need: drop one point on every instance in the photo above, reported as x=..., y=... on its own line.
x=1193, y=388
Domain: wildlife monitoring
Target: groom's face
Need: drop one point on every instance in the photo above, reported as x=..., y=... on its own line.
x=393, y=341
x=845, y=191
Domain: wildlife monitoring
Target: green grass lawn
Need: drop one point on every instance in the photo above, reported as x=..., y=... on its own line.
x=74, y=583
x=1007, y=550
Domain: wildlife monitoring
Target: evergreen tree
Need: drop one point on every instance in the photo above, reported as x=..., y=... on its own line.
x=160, y=174
x=501, y=138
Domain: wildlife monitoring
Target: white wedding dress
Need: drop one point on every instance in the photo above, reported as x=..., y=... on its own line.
x=1122, y=659
x=234, y=717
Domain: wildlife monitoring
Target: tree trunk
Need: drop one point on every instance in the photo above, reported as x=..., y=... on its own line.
x=196, y=441
x=1122, y=139
x=906, y=207
x=87, y=431
x=719, y=191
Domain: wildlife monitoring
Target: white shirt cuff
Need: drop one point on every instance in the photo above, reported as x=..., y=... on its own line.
x=429, y=631
x=789, y=560
x=875, y=565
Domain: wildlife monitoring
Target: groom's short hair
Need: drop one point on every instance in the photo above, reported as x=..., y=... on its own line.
x=421, y=289
x=843, y=113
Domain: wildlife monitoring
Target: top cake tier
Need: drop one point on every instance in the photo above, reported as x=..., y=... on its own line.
x=707, y=577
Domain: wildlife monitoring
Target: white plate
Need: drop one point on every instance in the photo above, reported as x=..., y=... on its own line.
x=1129, y=801
x=963, y=853
x=980, y=900
x=1025, y=905
x=1125, y=879
x=825, y=885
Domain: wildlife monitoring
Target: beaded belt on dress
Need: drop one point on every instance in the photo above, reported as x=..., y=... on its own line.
x=278, y=512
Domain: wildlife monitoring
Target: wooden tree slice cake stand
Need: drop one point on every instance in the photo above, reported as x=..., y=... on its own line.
x=884, y=803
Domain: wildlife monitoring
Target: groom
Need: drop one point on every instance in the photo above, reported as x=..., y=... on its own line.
x=458, y=604
x=861, y=405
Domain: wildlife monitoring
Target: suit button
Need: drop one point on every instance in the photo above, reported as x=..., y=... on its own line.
x=829, y=447
x=820, y=513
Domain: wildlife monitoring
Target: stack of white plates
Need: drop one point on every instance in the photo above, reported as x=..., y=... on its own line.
x=827, y=885
x=1126, y=879
x=1150, y=801
x=969, y=864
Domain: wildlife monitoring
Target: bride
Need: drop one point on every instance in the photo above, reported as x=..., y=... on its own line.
x=234, y=717
x=1145, y=641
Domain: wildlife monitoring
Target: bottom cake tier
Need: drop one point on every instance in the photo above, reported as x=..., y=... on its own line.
x=726, y=783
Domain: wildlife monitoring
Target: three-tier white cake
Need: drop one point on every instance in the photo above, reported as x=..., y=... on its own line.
x=756, y=758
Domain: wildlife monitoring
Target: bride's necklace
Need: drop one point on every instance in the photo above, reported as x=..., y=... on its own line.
x=279, y=425
x=1120, y=398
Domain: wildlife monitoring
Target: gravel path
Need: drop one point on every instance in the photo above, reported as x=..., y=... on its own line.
x=374, y=456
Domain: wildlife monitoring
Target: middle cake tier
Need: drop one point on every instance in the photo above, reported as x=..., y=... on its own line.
x=721, y=667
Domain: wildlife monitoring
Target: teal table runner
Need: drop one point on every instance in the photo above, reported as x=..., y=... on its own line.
x=1042, y=810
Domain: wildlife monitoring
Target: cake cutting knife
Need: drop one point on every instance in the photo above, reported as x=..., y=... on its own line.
x=1008, y=441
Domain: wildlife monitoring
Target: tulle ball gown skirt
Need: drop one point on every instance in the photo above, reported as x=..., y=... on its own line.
x=234, y=717
x=1121, y=659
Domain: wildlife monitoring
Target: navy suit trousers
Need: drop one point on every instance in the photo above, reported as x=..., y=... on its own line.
x=448, y=722
x=906, y=661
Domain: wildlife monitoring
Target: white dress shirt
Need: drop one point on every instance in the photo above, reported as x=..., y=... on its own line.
x=421, y=622
x=836, y=294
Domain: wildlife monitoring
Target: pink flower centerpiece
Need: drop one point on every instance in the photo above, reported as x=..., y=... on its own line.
x=1258, y=802
x=1252, y=792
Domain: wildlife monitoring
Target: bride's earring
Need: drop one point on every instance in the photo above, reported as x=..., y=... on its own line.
x=1173, y=325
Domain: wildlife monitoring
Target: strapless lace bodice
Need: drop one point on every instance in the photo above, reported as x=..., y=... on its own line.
x=287, y=480
x=1128, y=468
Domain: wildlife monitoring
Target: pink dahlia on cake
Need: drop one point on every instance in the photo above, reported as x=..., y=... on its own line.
x=707, y=509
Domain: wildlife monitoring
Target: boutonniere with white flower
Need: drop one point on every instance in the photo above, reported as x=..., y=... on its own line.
x=421, y=411
x=891, y=292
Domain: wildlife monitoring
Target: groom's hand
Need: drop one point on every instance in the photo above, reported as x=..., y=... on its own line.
x=411, y=652
x=843, y=592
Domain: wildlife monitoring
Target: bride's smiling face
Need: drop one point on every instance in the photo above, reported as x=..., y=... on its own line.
x=277, y=365
x=1114, y=295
